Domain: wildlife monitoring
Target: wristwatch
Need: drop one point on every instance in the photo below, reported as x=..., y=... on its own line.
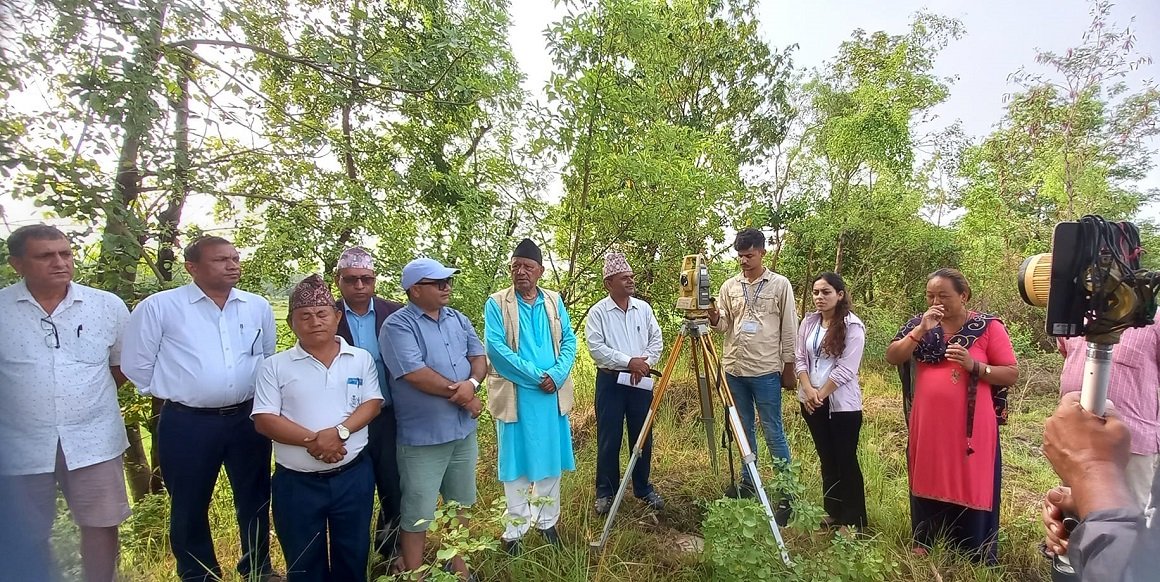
x=473, y=381
x=987, y=370
x=343, y=432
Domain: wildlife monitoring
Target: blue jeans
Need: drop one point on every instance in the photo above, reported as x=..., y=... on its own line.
x=762, y=393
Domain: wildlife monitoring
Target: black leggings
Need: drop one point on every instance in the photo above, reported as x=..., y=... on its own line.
x=836, y=440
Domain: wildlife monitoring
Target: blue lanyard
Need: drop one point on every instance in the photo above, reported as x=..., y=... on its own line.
x=756, y=294
x=817, y=343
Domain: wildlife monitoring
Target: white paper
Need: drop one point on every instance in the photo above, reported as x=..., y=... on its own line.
x=646, y=382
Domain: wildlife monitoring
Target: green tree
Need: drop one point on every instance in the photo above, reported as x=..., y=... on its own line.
x=653, y=109
x=1072, y=142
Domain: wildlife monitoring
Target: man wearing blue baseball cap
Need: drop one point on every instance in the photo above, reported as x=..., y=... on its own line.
x=435, y=362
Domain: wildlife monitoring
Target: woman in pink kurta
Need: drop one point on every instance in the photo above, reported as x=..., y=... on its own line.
x=953, y=363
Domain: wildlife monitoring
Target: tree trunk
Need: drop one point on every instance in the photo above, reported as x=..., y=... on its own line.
x=808, y=274
x=137, y=470
x=124, y=232
x=838, y=255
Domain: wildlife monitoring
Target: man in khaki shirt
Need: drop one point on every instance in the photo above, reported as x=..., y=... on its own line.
x=757, y=316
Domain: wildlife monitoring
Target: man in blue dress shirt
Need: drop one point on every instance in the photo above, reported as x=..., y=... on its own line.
x=531, y=348
x=436, y=362
x=362, y=314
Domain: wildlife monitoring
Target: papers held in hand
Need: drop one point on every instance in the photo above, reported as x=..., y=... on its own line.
x=646, y=383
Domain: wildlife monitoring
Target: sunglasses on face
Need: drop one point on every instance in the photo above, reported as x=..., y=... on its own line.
x=441, y=284
x=367, y=280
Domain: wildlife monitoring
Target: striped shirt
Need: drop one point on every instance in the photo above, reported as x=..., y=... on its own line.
x=1134, y=385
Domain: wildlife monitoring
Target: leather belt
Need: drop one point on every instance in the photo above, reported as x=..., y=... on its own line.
x=220, y=411
x=327, y=473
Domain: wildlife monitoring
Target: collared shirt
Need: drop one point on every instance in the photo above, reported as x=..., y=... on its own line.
x=365, y=336
x=180, y=346
x=410, y=340
x=615, y=336
x=67, y=394
x=1134, y=383
x=843, y=368
x=295, y=385
x=759, y=321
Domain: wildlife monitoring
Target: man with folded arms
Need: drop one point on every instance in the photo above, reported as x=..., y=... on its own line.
x=315, y=401
x=436, y=363
x=198, y=347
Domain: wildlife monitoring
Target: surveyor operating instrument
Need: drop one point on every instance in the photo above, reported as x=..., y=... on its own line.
x=696, y=302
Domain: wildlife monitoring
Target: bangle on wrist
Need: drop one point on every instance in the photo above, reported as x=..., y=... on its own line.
x=910, y=337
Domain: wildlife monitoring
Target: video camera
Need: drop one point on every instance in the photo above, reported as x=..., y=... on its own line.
x=695, y=299
x=1092, y=286
x=1091, y=282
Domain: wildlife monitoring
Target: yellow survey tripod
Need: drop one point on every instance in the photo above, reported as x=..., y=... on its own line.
x=707, y=366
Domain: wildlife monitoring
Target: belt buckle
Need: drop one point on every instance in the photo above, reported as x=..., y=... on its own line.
x=228, y=410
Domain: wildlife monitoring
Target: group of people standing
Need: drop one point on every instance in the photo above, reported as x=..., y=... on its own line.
x=375, y=395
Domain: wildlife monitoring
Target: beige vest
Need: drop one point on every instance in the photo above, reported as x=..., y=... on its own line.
x=501, y=393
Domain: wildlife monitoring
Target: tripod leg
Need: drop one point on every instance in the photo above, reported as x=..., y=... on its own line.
x=701, y=370
x=638, y=447
x=748, y=458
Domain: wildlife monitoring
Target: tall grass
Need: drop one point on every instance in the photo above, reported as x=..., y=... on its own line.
x=647, y=546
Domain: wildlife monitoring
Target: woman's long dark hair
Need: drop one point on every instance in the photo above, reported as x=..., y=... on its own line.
x=835, y=341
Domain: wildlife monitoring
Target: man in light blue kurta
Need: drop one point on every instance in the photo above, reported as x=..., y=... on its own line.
x=531, y=349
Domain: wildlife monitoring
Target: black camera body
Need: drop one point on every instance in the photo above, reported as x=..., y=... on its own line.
x=1091, y=282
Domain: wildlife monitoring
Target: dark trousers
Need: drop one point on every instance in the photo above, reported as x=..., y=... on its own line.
x=313, y=511
x=616, y=405
x=381, y=450
x=836, y=440
x=973, y=531
x=193, y=447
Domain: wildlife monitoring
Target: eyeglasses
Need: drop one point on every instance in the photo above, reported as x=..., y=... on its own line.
x=442, y=284
x=367, y=280
x=52, y=339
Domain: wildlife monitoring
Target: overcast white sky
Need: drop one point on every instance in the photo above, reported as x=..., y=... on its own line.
x=1001, y=36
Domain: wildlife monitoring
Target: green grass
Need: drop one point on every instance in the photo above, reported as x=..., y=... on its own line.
x=643, y=544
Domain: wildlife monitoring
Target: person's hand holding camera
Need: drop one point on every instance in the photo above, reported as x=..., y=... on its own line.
x=1089, y=453
x=1057, y=504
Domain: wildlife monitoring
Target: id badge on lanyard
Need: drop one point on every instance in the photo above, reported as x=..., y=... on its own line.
x=750, y=324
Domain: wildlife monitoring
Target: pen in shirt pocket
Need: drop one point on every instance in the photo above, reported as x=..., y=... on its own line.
x=79, y=328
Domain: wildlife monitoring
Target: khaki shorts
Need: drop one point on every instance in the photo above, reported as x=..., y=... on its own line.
x=427, y=471
x=95, y=494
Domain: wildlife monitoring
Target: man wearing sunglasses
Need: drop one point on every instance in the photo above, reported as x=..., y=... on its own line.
x=60, y=422
x=531, y=348
x=435, y=362
x=361, y=316
x=199, y=347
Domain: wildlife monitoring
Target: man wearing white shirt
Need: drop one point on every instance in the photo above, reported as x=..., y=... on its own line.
x=60, y=422
x=315, y=401
x=199, y=347
x=623, y=336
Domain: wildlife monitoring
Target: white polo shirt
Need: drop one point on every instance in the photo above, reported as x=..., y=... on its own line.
x=295, y=385
x=66, y=394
